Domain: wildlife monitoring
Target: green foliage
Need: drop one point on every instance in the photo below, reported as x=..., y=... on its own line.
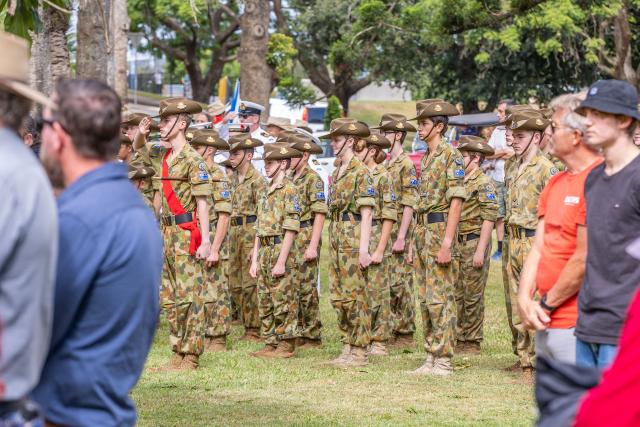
x=25, y=19
x=333, y=111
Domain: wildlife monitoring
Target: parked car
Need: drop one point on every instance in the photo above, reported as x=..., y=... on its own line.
x=314, y=115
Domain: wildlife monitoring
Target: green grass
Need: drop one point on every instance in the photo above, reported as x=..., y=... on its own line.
x=371, y=111
x=234, y=389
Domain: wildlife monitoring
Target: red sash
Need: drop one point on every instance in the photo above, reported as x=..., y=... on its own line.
x=177, y=208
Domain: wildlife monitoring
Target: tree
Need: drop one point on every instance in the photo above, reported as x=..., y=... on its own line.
x=119, y=25
x=94, y=40
x=204, y=39
x=255, y=74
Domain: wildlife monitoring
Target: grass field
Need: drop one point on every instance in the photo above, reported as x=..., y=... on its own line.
x=234, y=389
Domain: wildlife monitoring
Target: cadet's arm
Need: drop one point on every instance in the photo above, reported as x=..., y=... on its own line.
x=387, y=225
x=485, y=236
x=221, y=231
x=366, y=213
x=571, y=276
x=452, y=221
x=287, y=242
x=407, y=216
x=253, y=269
x=203, y=215
x=139, y=140
x=316, y=232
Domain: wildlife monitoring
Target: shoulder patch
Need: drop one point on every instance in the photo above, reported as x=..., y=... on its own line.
x=225, y=194
x=458, y=173
x=413, y=171
x=393, y=196
x=320, y=195
x=553, y=171
x=369, y=180
x=414, y=182
x=458, y=161
x=203, y=176
x=202, y=167
x=370, y=190
x=491, y=196
x=319, y=185
x=296, y=204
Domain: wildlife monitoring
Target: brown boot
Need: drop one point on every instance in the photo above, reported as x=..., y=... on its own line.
x=472, y=347
x=285, y=349
x=307, y=343
x=442, y=366
x=460, y=347
x=216, y=344
x=252, y=335
x=426, y=367
x=358, y=357
x=346, y=353
x=378, y=349
x=268, y=348
x=528, y=375
x=404, y=341
x=516, y=367
x=189, y=363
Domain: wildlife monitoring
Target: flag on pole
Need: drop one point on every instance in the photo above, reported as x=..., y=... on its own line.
x=235, y=100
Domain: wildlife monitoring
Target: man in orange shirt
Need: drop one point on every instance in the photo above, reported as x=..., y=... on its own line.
x=555, y=266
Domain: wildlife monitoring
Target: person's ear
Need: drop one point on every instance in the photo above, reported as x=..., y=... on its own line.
x=62, y=139
x=28, y=139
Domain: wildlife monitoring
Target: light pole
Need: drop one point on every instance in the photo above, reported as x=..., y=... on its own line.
x=135, y=39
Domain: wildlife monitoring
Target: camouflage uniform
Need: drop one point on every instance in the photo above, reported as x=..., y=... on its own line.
x=217, y=302
x=143, y=157
x=278, y=212
x=441, y=180
x=481, y=205
x=349, y=296
x=522, y=214
x=379, y=274
x=245, y=196
x=310, y=189
x=556, y=162
x=183, y=276
x=509, y=166
x=403, y=305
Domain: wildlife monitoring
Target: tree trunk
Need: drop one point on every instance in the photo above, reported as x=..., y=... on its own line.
x=118, y=63
x=94, y=40
x=255, y=73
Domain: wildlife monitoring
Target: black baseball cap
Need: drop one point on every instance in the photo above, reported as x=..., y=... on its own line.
x=612, y=97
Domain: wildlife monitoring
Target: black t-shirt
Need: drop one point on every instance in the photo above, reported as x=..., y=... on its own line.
x=612, y=275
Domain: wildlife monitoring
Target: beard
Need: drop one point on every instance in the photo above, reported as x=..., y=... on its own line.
x=52, y=168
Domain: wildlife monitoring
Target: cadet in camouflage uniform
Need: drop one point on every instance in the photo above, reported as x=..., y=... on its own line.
x=313, y=209
x=442, y=192
x=405, y=182
x=528, y=177
x=247, y=187
x=272, y=263
x=139, y=127
x=479, y=214
x=186, y=190
x=217, y=302
x=369, y=151
x=546, y=139
x=139, y=175
x=351, y=202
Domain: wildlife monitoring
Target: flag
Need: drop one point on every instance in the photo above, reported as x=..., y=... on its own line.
x=235, y=100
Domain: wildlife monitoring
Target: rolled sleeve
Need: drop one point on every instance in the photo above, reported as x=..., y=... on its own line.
x=455, y=179
x=409, y=187
x=365, y=191
x=291, y=220
x=222, y=197
x=199, y=179
x=389, y=201
x=488, y=203
x=317, y=198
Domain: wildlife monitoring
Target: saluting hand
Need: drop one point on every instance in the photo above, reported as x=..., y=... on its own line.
x=144, y=127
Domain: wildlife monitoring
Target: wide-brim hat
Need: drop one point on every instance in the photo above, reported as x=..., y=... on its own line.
x=226, y=164
x=392, y=122
x=172, y=106
x=243, y=142
x=280, y=122
x=209, y=138
x=14, y=69
x=351, y=128
x=140, y=171
x=528, y=120
x=612, y=97
x=216, y=108
x=288, y=136
x=379, y=141
x=280, y=151
x=124, y=139
x=475, y=144
x=190, y=133
x=515, y=109
x=301, y=124
x=134, y=119
x=431, y=108
x=306, y=145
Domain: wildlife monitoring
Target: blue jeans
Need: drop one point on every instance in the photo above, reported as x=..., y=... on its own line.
x=595, y=355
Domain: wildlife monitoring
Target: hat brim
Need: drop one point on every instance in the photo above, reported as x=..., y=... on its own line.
x=408, y=128
x=217, y=111
x=28, y=92
x=609, y=107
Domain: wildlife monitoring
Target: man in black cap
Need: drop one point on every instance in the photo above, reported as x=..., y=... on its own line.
x=612, y=193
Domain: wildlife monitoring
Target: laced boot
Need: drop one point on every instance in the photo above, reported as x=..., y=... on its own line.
x=285, y=349
x=426, y=367
x=189, y=363
x=263, y=352
x=378, y=349
x=216, y=344
x=442, y=366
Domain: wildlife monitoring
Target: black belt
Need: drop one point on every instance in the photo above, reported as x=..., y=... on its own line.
x=520, y=232
x=307, y=223
x=170, y=220
x=239, y=220
x=270, y=240
x=430, y=218
x=468, y=237
x=346, y=216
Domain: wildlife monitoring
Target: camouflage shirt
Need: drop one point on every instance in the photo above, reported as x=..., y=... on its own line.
x=190, y=178
x=556, y=162
x=405, y=181
x=386, y=201
x=481, y=204
x=353, y=190
x=524, y=190
x=220, y=195
x=441, y=179
x=310, y=193
x=278, y=210
x=153, y=152
x=246, y=194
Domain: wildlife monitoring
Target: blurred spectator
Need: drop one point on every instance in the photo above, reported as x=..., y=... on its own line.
x=106, y=296
x=28, y=246
x=30, y=133
x=612, y=192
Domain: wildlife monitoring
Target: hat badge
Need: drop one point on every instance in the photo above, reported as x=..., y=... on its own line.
x=284, y=150
x=352, y=127
x=164, y=109
x=242, y=106
x=539, y=122
x=210, y=139
x=438, y=107
x=247, y=141
x=307, y=146
x=181, y=105
x=374, y=138
x=189, y=135
x=400, y=126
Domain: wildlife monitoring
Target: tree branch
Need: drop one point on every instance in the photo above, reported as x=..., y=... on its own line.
x=169, y=50
x=175, y=26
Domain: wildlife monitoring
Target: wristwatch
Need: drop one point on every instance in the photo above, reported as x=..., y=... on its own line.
x=543, y=304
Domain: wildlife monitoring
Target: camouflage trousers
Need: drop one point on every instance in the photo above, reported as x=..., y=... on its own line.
x=306, y=280
x=379, y=292
x=470, y=292
x=277, y=299
x=403, y=303
x=507, y=298
x=349, y=290
x=244, y=290
x=518, y=249
x=182, y=293
x=436, y=291
x=217, y=304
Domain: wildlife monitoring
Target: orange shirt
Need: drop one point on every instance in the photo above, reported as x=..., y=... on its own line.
x=563, y=208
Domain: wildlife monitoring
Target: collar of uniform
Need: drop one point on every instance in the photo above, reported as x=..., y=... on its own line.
x=377, y=170
x=305, y=171
x=473, y=175
x=439, y=149
x=398, y=159
x=250, y=172
x=534, y=160
x=277, y=187
x=353, y=163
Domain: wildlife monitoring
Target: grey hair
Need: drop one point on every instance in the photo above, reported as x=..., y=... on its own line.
x=570, y=102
